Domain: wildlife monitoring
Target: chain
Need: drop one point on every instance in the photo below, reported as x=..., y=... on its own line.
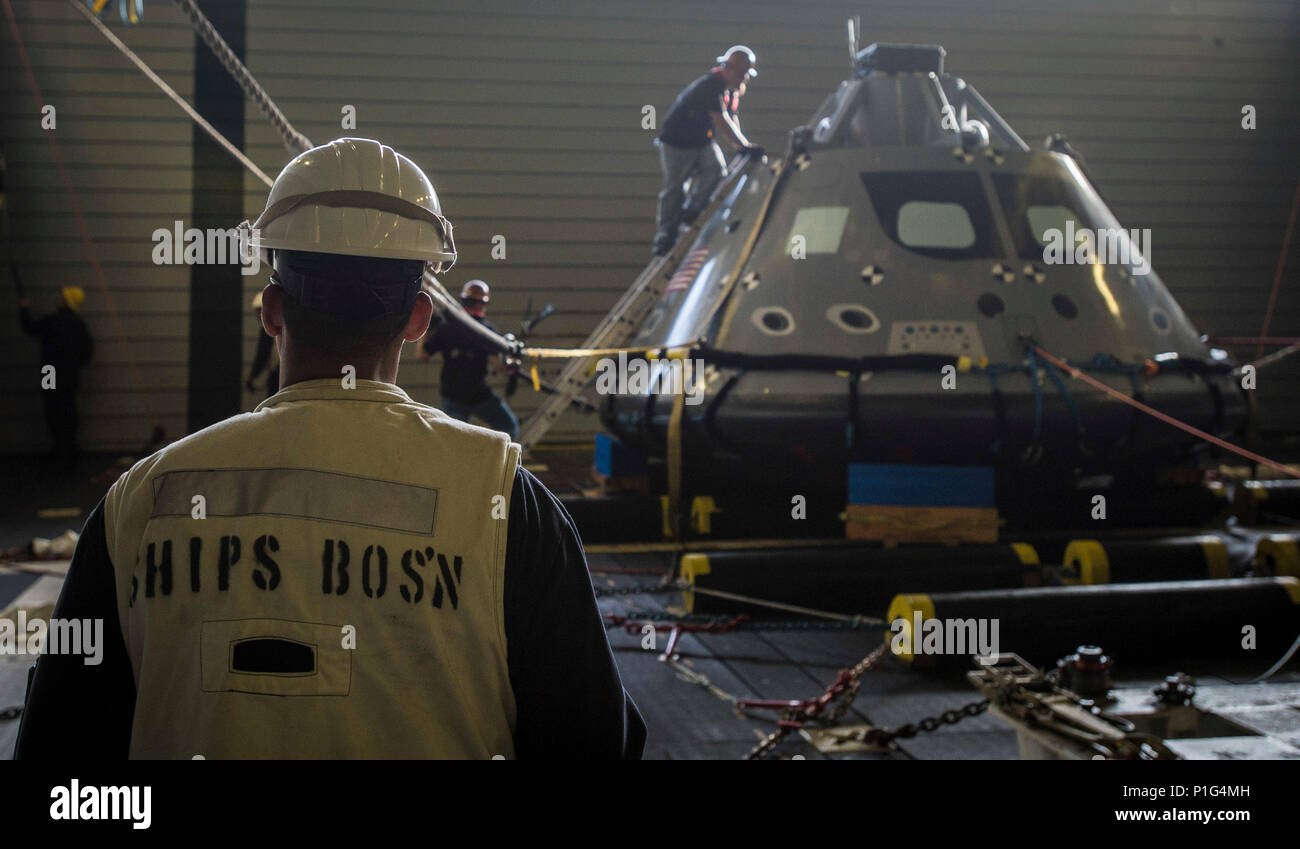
x=293, y=140
x=11, y=713
x=770, y=741
x=876, y=736
x=882, y=736
x=839, y=695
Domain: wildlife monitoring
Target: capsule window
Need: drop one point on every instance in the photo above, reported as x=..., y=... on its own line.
x=853, y=318
x=1160, y=322
x=774, y=321
x=925, y=224
x=938, y=214
x=822, y=229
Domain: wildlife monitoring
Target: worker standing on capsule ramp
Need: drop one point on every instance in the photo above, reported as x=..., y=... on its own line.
x=341, y=573
x=703, y=112
x=66, y=345
x=463, y=383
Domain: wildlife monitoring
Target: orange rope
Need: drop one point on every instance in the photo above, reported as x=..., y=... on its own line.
x=1281, y=263
x=1120, y=396
x=81, y=221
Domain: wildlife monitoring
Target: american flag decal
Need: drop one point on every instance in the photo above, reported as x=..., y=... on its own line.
x=689, y=268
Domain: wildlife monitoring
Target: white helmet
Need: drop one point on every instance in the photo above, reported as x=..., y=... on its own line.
x=356, y=197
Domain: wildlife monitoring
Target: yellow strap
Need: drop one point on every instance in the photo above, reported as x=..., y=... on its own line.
x=537, y=381
x=675, y=464
x=673, y=352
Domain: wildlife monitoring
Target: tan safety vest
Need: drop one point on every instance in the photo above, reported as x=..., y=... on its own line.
x=341, y=594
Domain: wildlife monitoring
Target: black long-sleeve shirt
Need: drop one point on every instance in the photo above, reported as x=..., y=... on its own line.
x=65, y=340
x=570, y=701
x=464, y=360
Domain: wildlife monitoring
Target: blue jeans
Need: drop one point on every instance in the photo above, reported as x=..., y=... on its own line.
x=706, y=164
x=492, y=410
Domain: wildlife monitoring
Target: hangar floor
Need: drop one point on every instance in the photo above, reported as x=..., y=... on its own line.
x=686, y=719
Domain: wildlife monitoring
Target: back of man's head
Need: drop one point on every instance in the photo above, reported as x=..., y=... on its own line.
x=350, y=228
x=338, y=306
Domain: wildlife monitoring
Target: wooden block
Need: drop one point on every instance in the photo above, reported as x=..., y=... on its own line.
x=922, y=524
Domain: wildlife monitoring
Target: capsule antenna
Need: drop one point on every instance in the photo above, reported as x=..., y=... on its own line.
x=855, y=30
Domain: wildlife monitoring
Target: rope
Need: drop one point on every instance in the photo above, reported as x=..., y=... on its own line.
x=1120, y=396
x=1254, y=340
x=294, y=141
x=577, y=353
x=1275, y=356
x=170, y=92
x=1281, y=264
x=1282, y=661
x=684, y=586
x=789, y=608
x=89, y=245
x=1036, y=381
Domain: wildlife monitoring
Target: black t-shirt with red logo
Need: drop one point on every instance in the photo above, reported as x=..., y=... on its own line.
x=688, y=123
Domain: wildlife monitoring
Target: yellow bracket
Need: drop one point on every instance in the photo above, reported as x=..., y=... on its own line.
x=702, y=509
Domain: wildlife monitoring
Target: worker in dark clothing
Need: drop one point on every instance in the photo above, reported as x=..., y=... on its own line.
x=66, y=345
x=464, y=386
x=703, y=112
x=264, y=355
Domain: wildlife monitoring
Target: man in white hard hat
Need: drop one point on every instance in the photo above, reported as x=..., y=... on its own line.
x=341, y=573
x=703, y=112
x=463, y=383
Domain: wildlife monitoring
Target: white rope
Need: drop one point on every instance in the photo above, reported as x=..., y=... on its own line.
x=686, y=586
x=170, y=92
x=295, y=141
x=1275, y=356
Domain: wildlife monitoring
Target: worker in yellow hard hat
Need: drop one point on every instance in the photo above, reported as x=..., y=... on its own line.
x=66, y=346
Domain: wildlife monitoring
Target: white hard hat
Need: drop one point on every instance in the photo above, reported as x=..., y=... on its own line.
x=472, y=287
x=749, y=54
x=356, y=197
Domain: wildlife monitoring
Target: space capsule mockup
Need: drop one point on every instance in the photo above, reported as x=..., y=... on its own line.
x=874, y=296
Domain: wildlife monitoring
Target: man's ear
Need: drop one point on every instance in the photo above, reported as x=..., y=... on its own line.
x=418, y=324
x=273, y=310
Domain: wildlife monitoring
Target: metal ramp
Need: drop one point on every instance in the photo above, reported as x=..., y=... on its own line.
x=616, y=328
